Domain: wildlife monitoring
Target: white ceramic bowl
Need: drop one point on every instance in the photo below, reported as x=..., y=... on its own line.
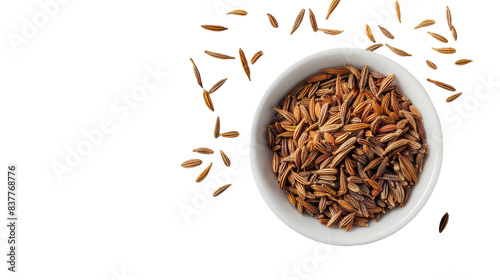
x=261, y=156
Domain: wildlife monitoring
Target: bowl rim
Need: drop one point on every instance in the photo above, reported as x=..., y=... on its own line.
x=438, y=148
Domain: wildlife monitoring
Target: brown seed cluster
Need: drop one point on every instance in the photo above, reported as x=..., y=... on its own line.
x=360, y=105
x=348, y=146
x=207, y=151
x=437, y=36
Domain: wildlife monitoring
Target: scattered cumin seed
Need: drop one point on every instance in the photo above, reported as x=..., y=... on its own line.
x=374, y=47
x=448, y=18
x=330, y=31
x=425, y=23
x=230, y=134
x=312, y=19
x=221, y=190
x=244, y=63
x=443, y=222
x=204, y=173
x=438, y=37
x=219, y=55
x=397, y=51
x=431, y=64
x=463, y=61
x=332, y=7
x=256, y=57
x=238, y=13
x=369, y=33
x=398, y=11
x=454, y=33
x=208, y=100
x=453, y=97
x=203, y=151
x=191, y=163
x=273, y=21
x=442, y=85
x=217, y=85
x=445, y=50
x=298, y=21
x=216, y=28
x=386, y=32
x=217, y=128
x=225, y=158
x=197, y=73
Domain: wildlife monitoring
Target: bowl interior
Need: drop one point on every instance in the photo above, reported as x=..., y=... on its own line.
x=262, y=157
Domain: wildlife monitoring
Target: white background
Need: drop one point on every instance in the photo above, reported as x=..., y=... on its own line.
x=118, y=213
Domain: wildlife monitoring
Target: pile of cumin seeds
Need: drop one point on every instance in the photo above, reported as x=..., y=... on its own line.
x=347, y=147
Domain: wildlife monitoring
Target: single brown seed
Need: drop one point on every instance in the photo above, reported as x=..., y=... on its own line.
x=445, y=50
x=219, y=55
x=332, y=7
x=369, y=33
x=453, y=97
x=424, y=23
x=225, y=158
x=203, y=151
x=230, y=134
x=444, y=222
x=397, y=51
x=431, y=64
x=221, y=189
x=273, y=21
x=191, y=163
x=312, y=19
x=318, y=78
x=298, y=21
x=438, y=37
x=238, y=13
x=374, y=47
x=208, y=100
x=197, y=73
x=330, y=31
x=398, y=11
x=336, y=71
x=454, y=33
x=353, y=70
x=216, y=28
x=217, y=85
x=386, y=32
x=244, y=63
x=463, y=61
x=448, y=18
x=386, y=82
x=442, y=85
x=204, y=173
x=217, y=128
x=256, y=57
